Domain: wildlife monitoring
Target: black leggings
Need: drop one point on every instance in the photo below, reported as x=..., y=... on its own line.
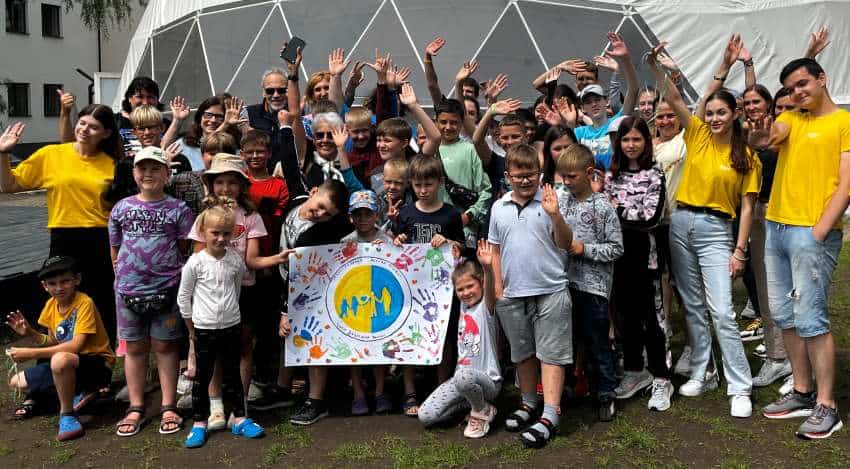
x=89, y=247
x=209, y=345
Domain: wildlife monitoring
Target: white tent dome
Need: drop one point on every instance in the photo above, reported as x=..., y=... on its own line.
x=196, y=48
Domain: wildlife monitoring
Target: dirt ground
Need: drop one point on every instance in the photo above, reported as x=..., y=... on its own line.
x=695, y=432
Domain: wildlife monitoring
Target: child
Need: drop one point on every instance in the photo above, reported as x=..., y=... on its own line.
x=397, y=192
x=189, y=186
x=477, y=379
x=363, y=213
x=209, y=303
x=531, y=240
x=76, y=348
x=147, y=233
x=361, y=151
x=429, y=220
x=597, y=243
x=510, y=131
x=636, y=189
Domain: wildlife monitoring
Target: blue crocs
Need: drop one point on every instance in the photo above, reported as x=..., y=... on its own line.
x=248, y=429
x=197, y=437
x=69, y=427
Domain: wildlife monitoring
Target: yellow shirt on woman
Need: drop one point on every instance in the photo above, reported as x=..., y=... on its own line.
x=708, y=178
x=807, y=168
x=74, y=184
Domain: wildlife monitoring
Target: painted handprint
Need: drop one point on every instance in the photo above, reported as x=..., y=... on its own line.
x=316, y=351
x=317, y=267
x=308, y=331
x=348, y=251
x=340, y=350
x=428, y=301
x=435, y=257
x=441, y=275
x=432, y=335
x=415, y=337
x=305, y=297
x=390, y=348
x=407, y=258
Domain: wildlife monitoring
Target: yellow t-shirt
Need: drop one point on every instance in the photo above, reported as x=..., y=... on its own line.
x=807, y=168
x=81, y=318
x=708, y=178
x=74, y=184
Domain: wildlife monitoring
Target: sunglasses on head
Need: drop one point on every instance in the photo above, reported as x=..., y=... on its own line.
x=271, y=91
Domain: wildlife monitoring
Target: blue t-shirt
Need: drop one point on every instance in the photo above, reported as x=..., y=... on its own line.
x=596, y=138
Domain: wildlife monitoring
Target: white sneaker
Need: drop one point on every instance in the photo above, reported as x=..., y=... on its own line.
x=254, y=392
x=478, y=424
x=216, y=420
x=683, y=364
x=748, y=312
x=633, y=381
x=662, y=391
x=184, y=385
x=695, y=387
x=741, y=406
x=787, y=386
x=760, y=351
x=771, y=371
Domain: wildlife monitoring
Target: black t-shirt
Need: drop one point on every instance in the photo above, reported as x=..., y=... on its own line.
x=768, y=168
x=420, y=226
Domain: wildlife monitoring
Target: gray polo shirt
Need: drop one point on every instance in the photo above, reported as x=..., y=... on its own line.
x=531, y=263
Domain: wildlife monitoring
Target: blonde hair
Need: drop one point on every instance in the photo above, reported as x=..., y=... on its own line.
x=576, y=157
x=218, y=208
x=398, y=164
x=314, y=80
x=145, y=116
x=358, y=116
x=218, y=142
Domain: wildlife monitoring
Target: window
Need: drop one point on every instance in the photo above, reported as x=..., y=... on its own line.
x=16, y=16
x=51, y=25
x=19, y=99
x=52, y=104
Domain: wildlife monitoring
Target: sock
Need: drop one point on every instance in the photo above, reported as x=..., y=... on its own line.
x=530, y=399
x=550, y=412
x=804, y=394
x=216, y=405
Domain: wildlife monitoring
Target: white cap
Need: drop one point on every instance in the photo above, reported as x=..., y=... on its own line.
x=150, y=153
x=591, y=89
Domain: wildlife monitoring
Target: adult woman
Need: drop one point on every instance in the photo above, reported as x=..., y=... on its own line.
x=719, y=176
x=75, y=176
x=216, y=113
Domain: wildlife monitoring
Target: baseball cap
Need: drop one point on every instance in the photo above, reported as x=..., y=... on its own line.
x=150, y=153
x=592, y=89
x=363, y=199
x=57, y=265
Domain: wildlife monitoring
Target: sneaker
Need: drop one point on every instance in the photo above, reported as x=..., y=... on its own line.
x=683, y=364
x=254, y=392
x=216, y=420
x=184, y=385
x=749, y=312
x=741, y=406
x=790, y=406
x=607, y=410
x=185, y=401
x=771, y=371
x=787, y=386
x=753, y=331
x=823, y=422
x=695, y=387
x=273, y=397
x=662, y=391
x=310, y=412
x=760, y=351
x=478, y=424
x=633, y=381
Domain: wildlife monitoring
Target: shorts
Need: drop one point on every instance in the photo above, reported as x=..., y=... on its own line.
x=799, y=271
x=538, y=326
x=92, y=374
x=134, y=327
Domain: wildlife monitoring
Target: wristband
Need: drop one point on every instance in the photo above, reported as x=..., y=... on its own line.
x=492, y=109
x=748, y=63
x=43, y=339
x=293, y=78
x=720, y=78
x=739, y=248
x=741, y=259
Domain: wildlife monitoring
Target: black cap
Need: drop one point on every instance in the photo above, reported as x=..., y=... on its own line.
x=57, y=265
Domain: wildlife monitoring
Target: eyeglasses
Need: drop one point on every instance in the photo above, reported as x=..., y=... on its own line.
x=147, y=128
x=272, y=91
x=530, y=177
x=323, y=135
x=213, y=116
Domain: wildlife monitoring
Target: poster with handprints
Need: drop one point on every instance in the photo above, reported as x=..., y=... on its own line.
x=363, y=304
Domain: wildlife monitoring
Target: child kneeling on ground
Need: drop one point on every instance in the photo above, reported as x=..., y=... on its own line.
x=77, y=358
x=477, y=379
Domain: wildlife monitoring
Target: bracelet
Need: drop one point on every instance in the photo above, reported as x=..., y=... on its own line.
x=748, y=63
x=43, y=339
x=741, y=259
x=719, y=78
x=492, y=109
x=427, y=61
x=739, y=248
x=293, y=78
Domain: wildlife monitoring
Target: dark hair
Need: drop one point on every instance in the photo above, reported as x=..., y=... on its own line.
x=563, y=90
x=592, y=68
x=619, y=160
x=449, y=106
x=145, y=84
x=110, y=145
x=256, y=137
x=763, y=92
x=469, y=81
x=554, y=133
x=780, y=93
x=810, y=65
x=739, y=157
x=244, y=200
x=395, y=127
x=467, y=99
x=337, y=193
x=526, y=115
x=522, y=156
x=468, y=267
x=196, y=133
x=511, y=119
x=426, y=167
x=650, y=89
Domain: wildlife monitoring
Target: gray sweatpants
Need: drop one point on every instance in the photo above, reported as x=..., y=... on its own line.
x=468, y=388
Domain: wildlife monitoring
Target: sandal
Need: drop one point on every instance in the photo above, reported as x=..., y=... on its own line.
x=196, y=438
x=383, y=404
x=136, y=426
x=411, y=405
x=537, y=439
x=69, y=427
x=520, y=418
x=248, y=429
x=27, y=410
x=174, y=421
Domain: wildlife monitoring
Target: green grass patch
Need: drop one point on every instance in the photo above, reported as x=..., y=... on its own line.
x=294, y=435
x=143, y=446
x=63, y=455
x=5, y=450
x=507, y=452
x=433, y=452
x=624, y=435
x=362, y=451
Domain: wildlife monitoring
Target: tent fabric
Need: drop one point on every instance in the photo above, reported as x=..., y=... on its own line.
x=195, y=48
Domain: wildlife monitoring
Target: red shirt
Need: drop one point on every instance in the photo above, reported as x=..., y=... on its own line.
x=270, y=196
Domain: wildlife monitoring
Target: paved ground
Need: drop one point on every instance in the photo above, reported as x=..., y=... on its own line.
x=24, y=239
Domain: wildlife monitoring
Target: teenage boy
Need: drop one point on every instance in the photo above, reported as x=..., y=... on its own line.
x=531, y=240
x=808, y=199
x=597, y=243
x=511, y=131
x=75, y=350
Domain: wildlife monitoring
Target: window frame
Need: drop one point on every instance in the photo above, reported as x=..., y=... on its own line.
x=12, y=109
x=52, y=97
x=25, y=22
x=58, y=11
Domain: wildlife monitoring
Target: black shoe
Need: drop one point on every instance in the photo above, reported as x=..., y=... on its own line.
x=607, y=411
x=274, y=397
x=309, y=413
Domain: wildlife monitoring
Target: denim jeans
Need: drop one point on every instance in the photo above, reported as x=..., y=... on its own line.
x=701, y=245
x=590, y=319
x=799, y=271
x=772, y=334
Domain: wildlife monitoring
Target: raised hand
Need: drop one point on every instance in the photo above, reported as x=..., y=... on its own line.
x=171, y=151
x=818, y=42
x=732, y=50
x=336, y=62
x=506, y=106
x=653, y=57
x=617, y=50
x=495, y=87
x=407, y=96
x=381, y=66
x=393, y=209
x=602, y=61
x=666, y=61
x=552, y=117
x=572, y=66
x=466, y=70
x=18, y=322
x=179, y=109
x=357, y=73
x=340, y=135
x=758, y=132
x=553, y=75
x=232, y=109
x=485, y=253
x=744, y=55
x=568, y=112
x=292, y=68
x=433, y=47
x=397, y=76
x=66, y=101
x=550, y=201
x=11, y=136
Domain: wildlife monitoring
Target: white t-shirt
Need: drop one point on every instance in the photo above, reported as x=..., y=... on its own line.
x=247, y=227
x=476, y=340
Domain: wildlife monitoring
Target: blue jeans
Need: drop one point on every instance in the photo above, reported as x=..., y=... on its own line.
x=590, y=318
x=799, y=271
x=700, y=246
